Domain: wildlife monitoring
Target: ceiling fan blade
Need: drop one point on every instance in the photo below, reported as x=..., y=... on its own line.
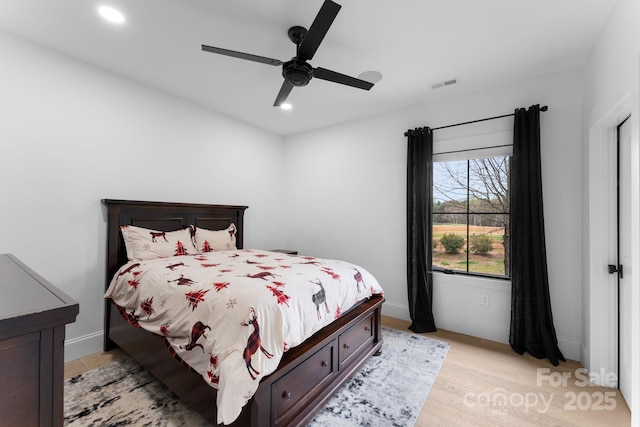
x=332, y=76
x=318, y=30
x=242, y=55
x=285, y=90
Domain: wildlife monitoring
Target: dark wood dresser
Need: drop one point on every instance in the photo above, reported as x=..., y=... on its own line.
x=33, y=315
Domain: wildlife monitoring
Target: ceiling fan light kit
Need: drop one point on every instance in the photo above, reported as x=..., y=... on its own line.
x=297, y=72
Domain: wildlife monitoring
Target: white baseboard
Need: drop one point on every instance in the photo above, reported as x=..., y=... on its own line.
x=499, y=333
x=473, y=327
x=76, y=348
x=398, y=311
x=570, y=349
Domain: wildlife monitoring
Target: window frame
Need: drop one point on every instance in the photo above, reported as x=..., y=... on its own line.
x=466, y=155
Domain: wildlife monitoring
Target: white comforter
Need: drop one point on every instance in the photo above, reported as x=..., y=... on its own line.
x=232, y=314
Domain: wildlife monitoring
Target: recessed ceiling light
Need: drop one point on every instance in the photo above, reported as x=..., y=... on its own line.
x=111, y=14
x=286, y=106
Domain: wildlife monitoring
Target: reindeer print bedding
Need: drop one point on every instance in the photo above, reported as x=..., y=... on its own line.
x=230, y=315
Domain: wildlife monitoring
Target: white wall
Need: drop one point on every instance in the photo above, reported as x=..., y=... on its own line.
x=71, y=134
x=611, y=80
x=345, y=198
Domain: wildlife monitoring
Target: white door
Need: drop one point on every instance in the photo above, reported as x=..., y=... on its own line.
x=624, y=258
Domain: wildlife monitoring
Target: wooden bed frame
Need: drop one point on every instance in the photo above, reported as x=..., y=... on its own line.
x=308, y=375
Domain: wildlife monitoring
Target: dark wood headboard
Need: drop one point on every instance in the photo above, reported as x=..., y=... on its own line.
x=164, y=217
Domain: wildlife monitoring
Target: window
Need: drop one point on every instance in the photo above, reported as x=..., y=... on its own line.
x=471, y=212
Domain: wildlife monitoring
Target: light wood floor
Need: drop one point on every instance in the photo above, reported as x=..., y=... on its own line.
x=484, y=383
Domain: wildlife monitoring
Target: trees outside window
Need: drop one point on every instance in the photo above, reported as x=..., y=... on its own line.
x=471, y=202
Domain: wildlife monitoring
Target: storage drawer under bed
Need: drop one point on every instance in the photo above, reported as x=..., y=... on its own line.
x=353, y=339
x=302, y=383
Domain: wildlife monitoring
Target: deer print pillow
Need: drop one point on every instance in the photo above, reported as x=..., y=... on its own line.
x=143, y=243
x=215, y=240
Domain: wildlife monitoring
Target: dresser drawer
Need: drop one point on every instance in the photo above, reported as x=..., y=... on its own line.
x=305, y=380
x=353, y=339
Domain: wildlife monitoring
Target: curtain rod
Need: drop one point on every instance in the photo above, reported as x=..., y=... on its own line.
x=543, y=108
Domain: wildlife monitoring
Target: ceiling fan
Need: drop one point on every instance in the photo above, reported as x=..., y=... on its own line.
x=298, y=72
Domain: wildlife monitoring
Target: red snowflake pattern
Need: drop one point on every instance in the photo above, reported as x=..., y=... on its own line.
x=194, y=298
x=338, y=313
x=264, y=267
x=209, y=265
x=164, y=329
x=279, y=284
x=134, y=283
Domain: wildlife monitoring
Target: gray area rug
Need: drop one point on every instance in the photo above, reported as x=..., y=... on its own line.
x=389, y=390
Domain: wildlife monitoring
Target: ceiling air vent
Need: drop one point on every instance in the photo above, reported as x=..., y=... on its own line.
x=444, y=83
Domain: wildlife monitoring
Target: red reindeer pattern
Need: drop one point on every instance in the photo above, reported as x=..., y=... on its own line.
x=155, y=235
x=172, y=267
x=262, y=275
x=197, y=331
x=129, y=269
x=253, y=343
x=182, y=281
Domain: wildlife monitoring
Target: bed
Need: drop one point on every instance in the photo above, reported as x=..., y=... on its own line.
x=306, y=376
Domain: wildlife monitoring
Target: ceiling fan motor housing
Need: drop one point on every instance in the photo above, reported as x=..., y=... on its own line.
x=297, y=72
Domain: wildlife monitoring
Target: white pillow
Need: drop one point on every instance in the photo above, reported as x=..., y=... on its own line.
x=215, y=240
x=144, y=243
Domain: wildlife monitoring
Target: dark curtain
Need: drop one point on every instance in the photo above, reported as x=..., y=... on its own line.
x=532, y=327
x=419, y=249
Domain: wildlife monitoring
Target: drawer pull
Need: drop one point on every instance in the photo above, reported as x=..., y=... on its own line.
x=286, y=395
x=346, y=346
x=324, y=364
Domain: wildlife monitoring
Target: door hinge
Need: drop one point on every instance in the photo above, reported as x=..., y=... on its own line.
x=613, y=269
